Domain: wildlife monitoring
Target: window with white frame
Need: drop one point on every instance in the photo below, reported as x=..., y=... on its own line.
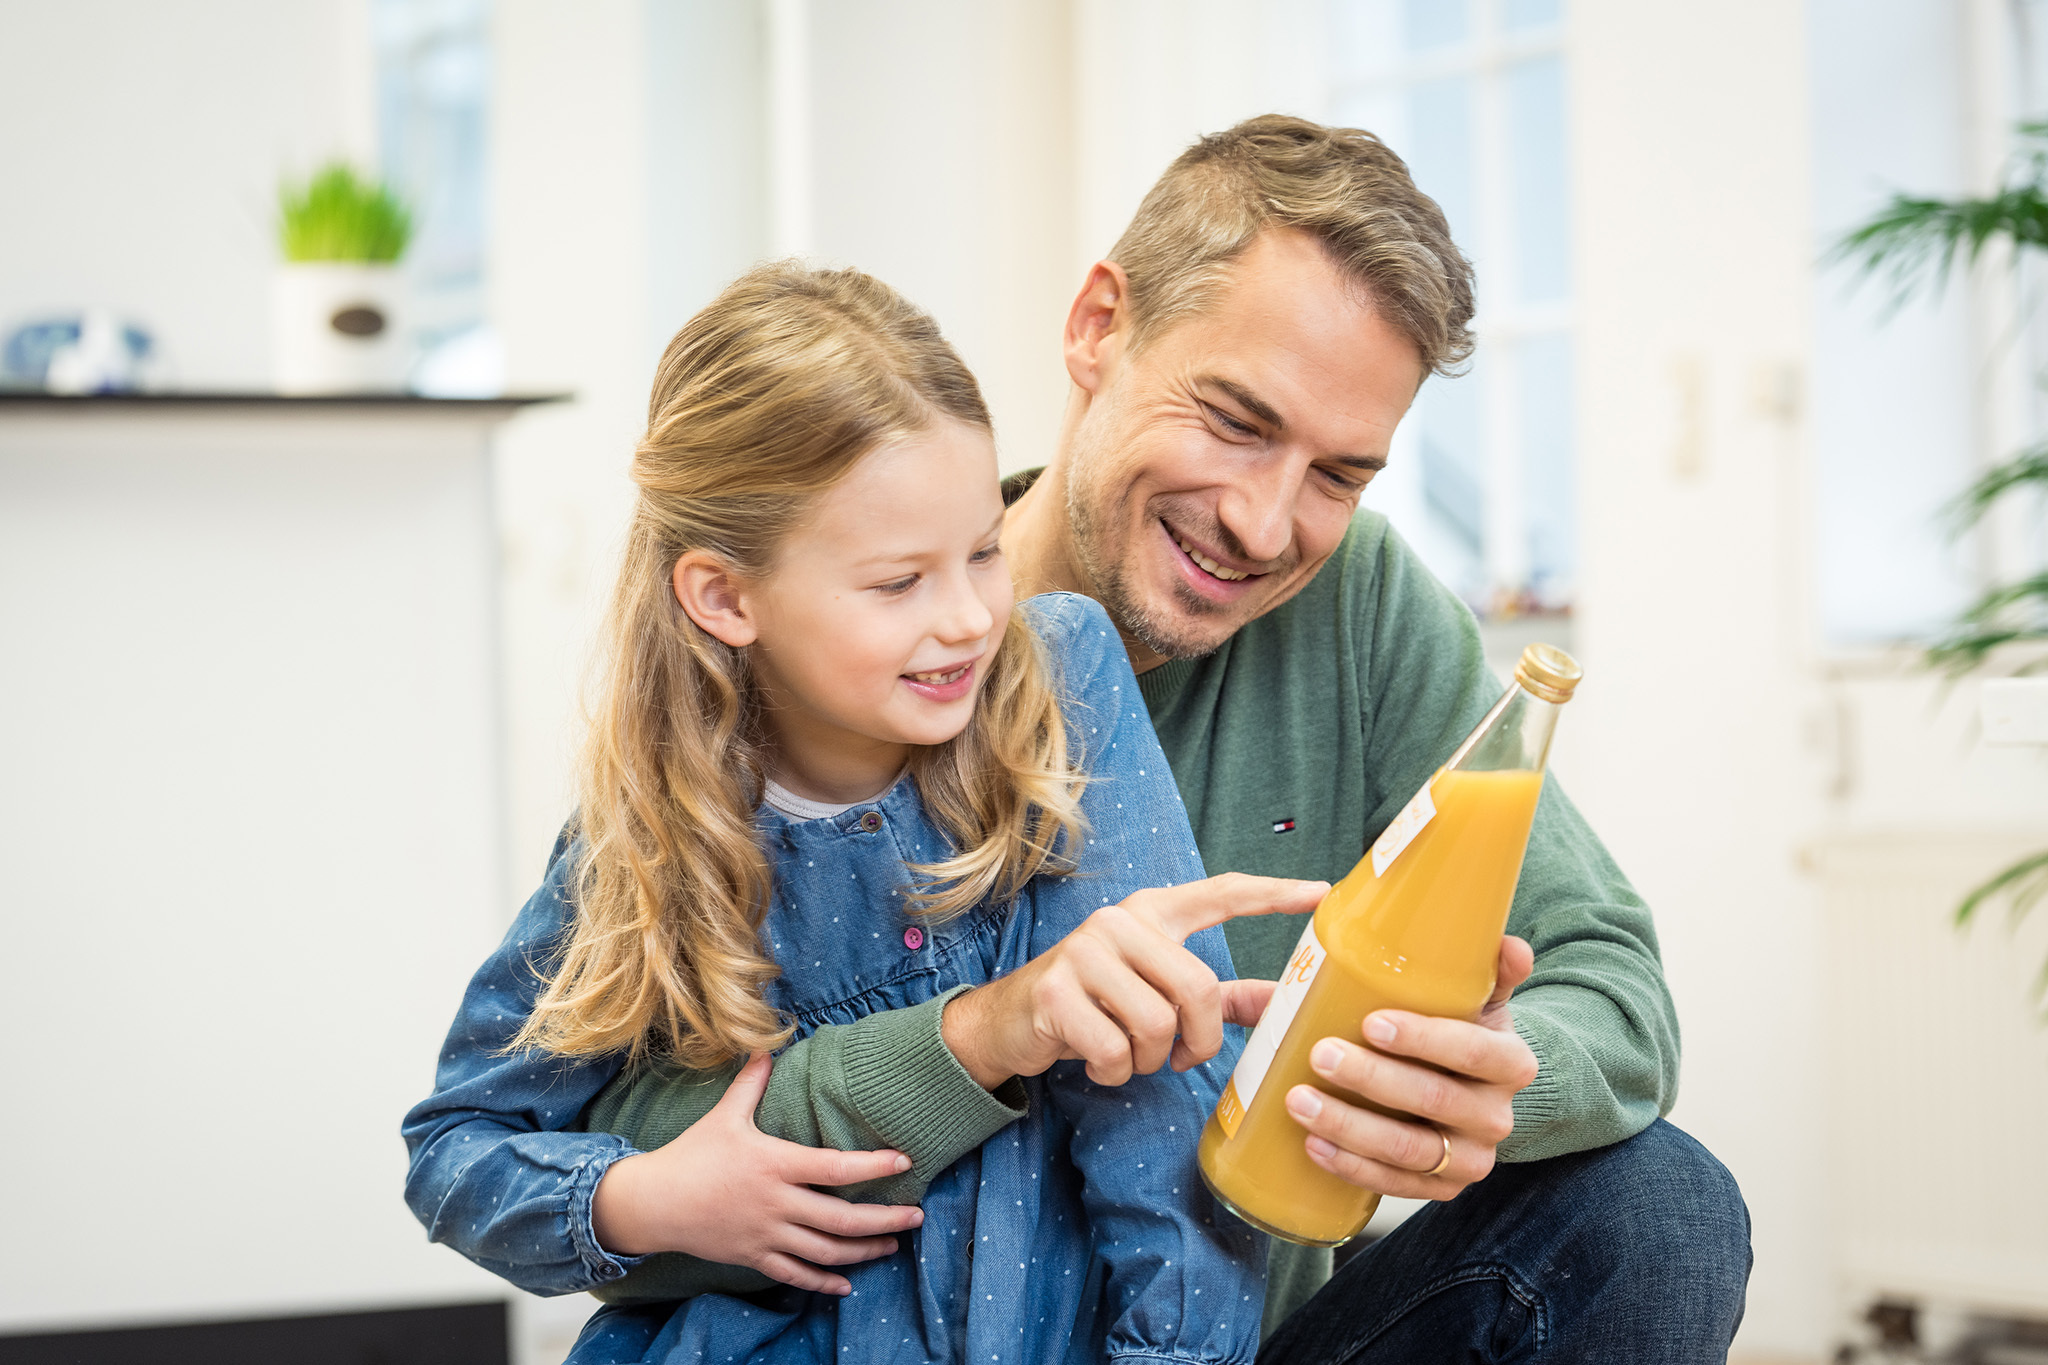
x=433, y=69
x=1471, y=93
x=1910, y=399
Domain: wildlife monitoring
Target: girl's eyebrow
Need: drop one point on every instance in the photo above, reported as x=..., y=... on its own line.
x=891, y=557
x=995, y=528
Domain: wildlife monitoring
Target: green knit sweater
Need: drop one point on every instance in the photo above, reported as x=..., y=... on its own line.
x=1328, y=712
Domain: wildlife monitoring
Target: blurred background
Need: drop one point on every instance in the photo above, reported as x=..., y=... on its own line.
x=291, y=685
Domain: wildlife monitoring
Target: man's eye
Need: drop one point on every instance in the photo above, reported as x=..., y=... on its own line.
x=897, y=588
x=1231, y=424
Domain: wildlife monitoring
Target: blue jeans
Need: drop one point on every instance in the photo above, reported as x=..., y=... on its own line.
x=1635, y=1254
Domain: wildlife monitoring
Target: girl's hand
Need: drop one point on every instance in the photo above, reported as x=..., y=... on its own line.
x=1245, y=1000
x=1120, y=992
x=724, y=1191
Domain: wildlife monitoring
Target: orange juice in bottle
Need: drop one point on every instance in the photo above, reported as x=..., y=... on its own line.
x=1415, y=926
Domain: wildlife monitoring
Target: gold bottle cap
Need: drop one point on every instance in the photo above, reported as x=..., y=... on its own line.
x=1548, y=672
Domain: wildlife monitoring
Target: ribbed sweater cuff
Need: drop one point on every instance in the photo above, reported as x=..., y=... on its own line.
x=914, y=1092
x=1540, y=1103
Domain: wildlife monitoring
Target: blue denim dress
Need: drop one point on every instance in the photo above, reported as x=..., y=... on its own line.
x=1081, y=1232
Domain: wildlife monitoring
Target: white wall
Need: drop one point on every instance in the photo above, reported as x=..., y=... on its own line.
x=570, y=285
x=1151, y=76
x=938, y=154
x=1694, y=248
x=707, y=153
x=144, y=150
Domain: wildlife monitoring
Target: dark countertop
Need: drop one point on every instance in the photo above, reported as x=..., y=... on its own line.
x=200, y=398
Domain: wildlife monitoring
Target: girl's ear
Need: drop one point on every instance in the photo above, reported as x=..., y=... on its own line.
x=709, y=593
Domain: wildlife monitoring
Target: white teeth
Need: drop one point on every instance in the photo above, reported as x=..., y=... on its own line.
x=1210, y=565
x=943, y=678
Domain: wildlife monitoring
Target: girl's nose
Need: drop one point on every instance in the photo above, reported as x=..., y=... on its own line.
x=966, y=616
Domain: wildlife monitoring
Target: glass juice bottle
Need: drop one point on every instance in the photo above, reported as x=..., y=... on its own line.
x=1415, y=926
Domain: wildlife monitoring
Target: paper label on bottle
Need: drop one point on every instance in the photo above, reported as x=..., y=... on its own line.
x=1264, y=1044
x=1406, y=826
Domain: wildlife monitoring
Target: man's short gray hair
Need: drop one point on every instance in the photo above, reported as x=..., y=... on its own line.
x=1342, y=186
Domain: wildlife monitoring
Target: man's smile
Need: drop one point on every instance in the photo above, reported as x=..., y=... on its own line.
x=1211, y=566
x=1210, y=578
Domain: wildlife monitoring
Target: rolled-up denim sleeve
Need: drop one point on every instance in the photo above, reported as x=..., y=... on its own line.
x=1182, y=1279
x=493, y=1171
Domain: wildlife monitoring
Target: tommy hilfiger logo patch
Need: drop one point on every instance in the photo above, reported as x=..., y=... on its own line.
x=1283, y=827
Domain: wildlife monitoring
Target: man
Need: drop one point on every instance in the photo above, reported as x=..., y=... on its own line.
x=1239, y=364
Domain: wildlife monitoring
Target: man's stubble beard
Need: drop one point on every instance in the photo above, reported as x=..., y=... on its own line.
x=1109, y=581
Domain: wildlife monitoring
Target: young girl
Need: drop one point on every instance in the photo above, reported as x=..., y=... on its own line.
x=835, y=780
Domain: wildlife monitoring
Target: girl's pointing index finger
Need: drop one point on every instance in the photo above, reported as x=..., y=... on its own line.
x=1182, y=910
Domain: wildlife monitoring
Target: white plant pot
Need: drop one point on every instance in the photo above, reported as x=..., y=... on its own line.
x=336, y=327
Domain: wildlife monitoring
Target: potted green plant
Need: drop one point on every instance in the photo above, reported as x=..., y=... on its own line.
x=336, y=303
x=1918, y=242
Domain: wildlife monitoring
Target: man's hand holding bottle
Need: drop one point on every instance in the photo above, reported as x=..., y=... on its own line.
x=1122, y=994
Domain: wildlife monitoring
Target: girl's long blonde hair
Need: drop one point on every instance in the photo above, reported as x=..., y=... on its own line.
x=761, y=403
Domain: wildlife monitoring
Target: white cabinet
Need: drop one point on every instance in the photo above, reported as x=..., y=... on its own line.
x=251, y=837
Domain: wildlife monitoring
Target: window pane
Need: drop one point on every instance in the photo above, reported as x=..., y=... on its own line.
x=1434, y=23
x=1539, y=188
x=1521, y=14
x=1484, y=487
x=1437, y=144
x=1548, y=483
x=1894, y=393
x=432, y=93
x=1365, y=37
x=1381, y=112
x=1452, y=537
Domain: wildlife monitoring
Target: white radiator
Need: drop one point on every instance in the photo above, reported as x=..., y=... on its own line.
x=1938, y=1065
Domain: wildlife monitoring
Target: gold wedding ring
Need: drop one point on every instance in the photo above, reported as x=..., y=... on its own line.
x=1445, y=1164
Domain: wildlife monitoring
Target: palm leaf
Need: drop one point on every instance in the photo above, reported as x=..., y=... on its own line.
x=1913, y=241
x=1916, y=241
x=2022, y=886
x=1968, y=507
x=1993, y=621
x=2023, y=883
x=1995, y=602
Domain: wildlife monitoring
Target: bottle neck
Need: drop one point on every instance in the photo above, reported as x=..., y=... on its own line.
x=1514, y=737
